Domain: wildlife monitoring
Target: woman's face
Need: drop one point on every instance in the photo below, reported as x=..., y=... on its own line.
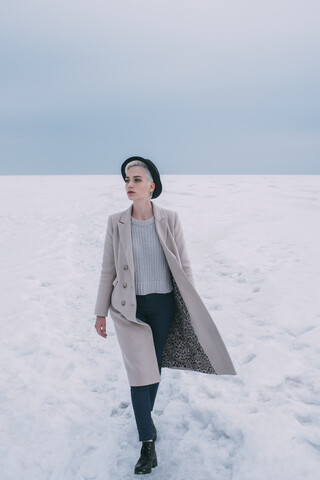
x=136, y=181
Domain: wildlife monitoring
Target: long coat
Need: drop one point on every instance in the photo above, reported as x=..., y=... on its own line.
x=194, y=342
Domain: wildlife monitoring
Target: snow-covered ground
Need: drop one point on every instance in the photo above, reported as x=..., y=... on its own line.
x=65, y=405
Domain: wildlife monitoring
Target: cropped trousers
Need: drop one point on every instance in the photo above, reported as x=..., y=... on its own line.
x=156, y=309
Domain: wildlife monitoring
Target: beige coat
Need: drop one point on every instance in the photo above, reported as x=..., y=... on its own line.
x=194, y=342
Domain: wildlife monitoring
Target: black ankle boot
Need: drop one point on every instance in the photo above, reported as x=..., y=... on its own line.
x=154, y=431
x=147, y=460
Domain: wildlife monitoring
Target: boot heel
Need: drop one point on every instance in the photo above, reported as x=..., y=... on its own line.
x=154, y=463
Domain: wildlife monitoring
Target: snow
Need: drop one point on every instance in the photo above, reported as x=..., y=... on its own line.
x=66, y=414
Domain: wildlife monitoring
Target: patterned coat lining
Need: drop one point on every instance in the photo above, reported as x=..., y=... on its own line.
x=183, y=349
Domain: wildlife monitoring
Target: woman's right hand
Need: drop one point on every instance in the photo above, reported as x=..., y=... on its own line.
x=101, y=326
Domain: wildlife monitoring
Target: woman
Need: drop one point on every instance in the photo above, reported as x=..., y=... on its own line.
x=147, y=284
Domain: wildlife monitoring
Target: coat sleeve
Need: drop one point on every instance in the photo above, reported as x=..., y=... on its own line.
x=182, y=248
x=107, y=275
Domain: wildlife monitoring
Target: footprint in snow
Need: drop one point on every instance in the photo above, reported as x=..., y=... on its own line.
x=121, y=410
x=306, y=420
x=300, y=331
x=248, y=358
x=316, y=446
x=67, y=372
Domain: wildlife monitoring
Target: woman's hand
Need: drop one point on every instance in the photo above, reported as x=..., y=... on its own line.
x=101, y=326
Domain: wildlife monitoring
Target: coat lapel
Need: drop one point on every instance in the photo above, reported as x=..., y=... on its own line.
x=161, y=223
x=124, y=224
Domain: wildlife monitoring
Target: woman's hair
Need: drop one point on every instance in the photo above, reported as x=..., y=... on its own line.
x=138, y=163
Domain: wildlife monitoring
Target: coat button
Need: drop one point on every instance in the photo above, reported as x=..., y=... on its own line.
x=123, y=302
x=125, y=267
x=124, y=285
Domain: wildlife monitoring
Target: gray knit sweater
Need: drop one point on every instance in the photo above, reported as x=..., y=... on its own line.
x=151, y=270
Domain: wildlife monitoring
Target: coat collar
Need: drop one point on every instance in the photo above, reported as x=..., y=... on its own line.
x=124, y=223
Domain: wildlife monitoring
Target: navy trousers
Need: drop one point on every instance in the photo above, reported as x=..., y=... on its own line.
x=156, y=309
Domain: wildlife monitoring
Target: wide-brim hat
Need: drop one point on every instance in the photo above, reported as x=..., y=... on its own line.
x=153, y=170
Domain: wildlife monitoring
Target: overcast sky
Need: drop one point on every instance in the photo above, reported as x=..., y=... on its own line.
x=200, y=86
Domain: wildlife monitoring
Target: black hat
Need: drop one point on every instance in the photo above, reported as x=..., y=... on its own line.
x=153, y=170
